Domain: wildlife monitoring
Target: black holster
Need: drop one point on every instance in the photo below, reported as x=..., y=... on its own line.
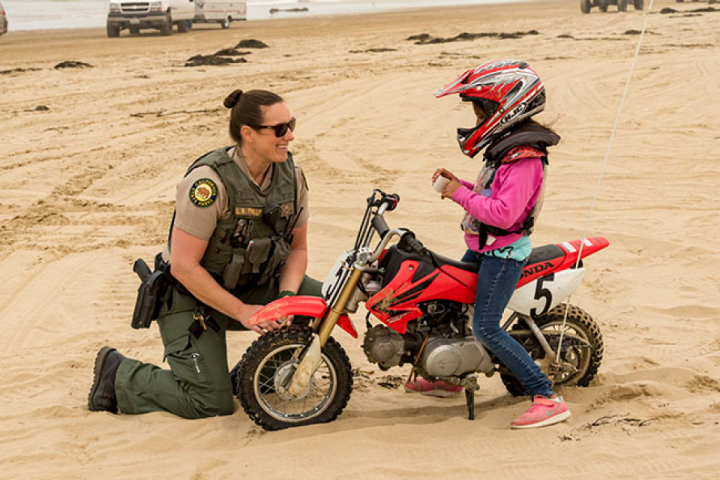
x=152, y=293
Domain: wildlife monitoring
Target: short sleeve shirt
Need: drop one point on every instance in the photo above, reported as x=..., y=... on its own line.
x=200, y=221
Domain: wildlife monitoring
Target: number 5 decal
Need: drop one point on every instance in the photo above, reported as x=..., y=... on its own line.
x=541, y=292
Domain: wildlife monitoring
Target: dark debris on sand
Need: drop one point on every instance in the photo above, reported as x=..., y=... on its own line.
x=213, y=60
x=374, y=50
x=18, y=70
x=300, y=9
x=427, y=39
x=668, y=10
x=251, y=43
x=72, y=64
x=230, y=52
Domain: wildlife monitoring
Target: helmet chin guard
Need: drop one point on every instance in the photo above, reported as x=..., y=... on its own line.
x=509, y=91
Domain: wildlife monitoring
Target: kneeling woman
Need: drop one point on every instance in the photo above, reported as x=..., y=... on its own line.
x=238, y=241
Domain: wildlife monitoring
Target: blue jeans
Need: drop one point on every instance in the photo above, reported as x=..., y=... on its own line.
x=497, y=279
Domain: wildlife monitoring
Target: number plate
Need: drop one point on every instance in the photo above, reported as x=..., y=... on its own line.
x=336, y=278
x=134, y=21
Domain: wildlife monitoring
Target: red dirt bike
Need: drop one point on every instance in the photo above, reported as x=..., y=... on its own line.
x=300, y=375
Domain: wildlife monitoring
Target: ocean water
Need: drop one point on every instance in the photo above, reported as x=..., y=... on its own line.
x=51, y=14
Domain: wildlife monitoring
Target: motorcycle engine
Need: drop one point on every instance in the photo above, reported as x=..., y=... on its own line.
x=384, y=346
x=451, y=357
x=441, y=357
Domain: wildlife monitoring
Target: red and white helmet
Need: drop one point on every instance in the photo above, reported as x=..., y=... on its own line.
x=508, y=91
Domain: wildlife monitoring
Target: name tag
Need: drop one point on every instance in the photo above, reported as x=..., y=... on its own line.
x=248, y=212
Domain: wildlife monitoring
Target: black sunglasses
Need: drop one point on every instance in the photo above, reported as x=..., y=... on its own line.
x=280, y=129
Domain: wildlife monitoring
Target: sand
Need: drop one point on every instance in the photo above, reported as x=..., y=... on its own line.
x=88, y=186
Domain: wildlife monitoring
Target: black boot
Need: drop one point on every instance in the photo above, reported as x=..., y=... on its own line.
x=102, y=393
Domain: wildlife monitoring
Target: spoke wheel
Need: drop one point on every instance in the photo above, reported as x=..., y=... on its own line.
x=264, y=373
x=580, y=362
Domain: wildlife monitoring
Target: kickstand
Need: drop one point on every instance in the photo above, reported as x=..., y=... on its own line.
x=470, y=386
x=470, y=398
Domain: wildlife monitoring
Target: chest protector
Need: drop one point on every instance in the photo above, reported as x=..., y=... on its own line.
x=527, y=141
x=251, y=246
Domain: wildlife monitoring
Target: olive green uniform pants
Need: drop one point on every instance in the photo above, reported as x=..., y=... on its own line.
x=198, y=382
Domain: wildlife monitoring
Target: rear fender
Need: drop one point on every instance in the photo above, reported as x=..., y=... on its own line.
x=299, y=305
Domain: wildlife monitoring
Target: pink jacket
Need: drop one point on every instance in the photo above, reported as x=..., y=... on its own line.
x=514, y=191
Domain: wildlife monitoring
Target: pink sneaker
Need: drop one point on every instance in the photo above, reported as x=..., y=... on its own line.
x=543, y=412
x=434, y=389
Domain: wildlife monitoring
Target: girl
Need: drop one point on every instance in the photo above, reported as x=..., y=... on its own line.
x=501, y=208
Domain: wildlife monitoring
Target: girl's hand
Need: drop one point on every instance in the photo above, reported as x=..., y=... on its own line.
x=441, y=172
x=450, y=188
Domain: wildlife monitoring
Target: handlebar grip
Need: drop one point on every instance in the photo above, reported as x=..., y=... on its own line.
x=415, y=245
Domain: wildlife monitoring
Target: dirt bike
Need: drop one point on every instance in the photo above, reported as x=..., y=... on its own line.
x=300, y=375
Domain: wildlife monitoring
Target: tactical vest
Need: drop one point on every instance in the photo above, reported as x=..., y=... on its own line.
x=251, y=246
x=526, y=141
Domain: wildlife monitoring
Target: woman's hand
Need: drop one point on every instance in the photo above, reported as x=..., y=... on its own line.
x=247, y=311
x=451, y=187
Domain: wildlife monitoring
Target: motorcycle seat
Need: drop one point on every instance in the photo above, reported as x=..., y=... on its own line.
x=467, y=266
x=539, y=254
x=545, y=253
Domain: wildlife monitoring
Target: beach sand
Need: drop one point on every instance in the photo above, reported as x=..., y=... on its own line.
x=88, y=186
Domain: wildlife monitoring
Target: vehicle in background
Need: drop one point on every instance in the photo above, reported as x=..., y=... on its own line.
x=222, y=12
x=3, y=20
x=135, y=15
x=622, y=5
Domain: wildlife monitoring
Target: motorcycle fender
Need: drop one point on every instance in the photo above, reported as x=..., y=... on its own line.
x=299, y=305
x=544, y=293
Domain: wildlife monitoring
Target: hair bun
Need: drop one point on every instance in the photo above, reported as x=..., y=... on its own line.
x=232, y=99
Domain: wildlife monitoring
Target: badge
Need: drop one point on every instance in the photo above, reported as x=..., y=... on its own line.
x=287, y=209
x=203, y=193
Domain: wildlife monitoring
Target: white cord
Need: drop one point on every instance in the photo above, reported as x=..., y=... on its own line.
x=602, y=170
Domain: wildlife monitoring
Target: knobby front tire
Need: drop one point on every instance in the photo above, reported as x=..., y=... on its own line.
x=269, y=360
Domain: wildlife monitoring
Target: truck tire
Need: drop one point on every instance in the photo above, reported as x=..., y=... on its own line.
x=585, y=6
x=226, y=22
x=113, y=31
x=167, y=29
x=183, y=26
x=622, y=5
x=639, y=4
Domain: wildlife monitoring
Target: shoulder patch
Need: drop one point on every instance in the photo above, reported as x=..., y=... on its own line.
x=203, y=193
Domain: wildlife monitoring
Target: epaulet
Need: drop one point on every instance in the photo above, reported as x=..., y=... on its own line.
x=523, y=152
x=299, y=169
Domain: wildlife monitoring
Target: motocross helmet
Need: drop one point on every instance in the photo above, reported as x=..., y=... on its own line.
x=508, y=91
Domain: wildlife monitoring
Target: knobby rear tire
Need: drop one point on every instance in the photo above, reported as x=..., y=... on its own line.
x=263, y=348
x=578, y=320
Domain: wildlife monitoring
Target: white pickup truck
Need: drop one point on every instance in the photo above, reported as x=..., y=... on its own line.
x=135, y=15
